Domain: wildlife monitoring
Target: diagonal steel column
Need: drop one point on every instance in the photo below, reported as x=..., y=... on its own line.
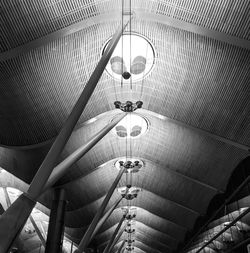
x=13, y=220
x=38, y=231
x=7, y=197
x=54, y=243
x=228, y=200
x=105, y=217
x=62, y=167
x=117, y=238
x=114, y=234
x=86, y=238
x=51, y=158
x=18, y=242
x=121, y=247
x=224, y=229
x=8, y=201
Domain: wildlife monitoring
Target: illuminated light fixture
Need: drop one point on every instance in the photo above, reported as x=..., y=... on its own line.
x=128, y=106
x=117, y=65
x=133, y=58
x=130, y=230
x=2, y=170
x=29, y=230
x=129, y=248
x=228, y=223
x=91, y=120
x=132, y=192
x=130, y=216
x=131, y=223
x=132, y=165
x=131, y=126
x=13, y=192
x=130, y=210
x=14, y=250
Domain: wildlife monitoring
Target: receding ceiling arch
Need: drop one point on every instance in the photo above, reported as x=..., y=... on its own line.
x=196, y=101
x=141, y=228
x=145, y=200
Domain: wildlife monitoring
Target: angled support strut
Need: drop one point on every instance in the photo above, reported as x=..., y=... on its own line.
x=114, y=234
x=13, y=220
x=86, y=238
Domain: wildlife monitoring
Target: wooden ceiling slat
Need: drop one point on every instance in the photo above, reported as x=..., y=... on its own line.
x=185, y=84
x=200, y=78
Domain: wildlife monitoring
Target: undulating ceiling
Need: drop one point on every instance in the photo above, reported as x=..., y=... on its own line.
x=196, y=105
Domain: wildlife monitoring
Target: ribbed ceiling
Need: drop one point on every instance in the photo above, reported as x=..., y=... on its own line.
x=189, y=83
x=196, y=101
x=24, y=22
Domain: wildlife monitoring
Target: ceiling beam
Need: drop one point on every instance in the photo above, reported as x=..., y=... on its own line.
x=149, y=214
x=134, y=245
x=116, y=16
x=165, y=168
x=139, y=230
x=170, y=200
x=142, y=227
x=140, y=233
x=136, y=248
x=148, y=238
x=171, y=171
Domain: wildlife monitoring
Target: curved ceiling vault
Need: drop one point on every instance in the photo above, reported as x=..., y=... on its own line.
x=195, y=101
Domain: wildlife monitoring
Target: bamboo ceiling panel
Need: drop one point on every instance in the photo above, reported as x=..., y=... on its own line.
x=189, y=83
x=166, y=145
x=28, y=21
x=196, y=81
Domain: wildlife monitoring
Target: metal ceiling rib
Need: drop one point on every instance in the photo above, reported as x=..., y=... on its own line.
x=162, y=185
x=96, y=184
x=142, y=246
x=77, y=233
x=83, y=218
x=102, y=176
x=142, y=229
x=153, y=243
x=137, y=248
x=148, y=246
x=171, y=151
x=157, y=206
x=154, y=226
x=142, y=237
x=171, y=171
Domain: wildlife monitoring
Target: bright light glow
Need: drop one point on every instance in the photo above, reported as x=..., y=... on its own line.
x=91, y=120
x=103, y=165
x=131, y=126
x=13, y=192
x=135, y=169
x=132, y=190
x=161, y=117
x=134, y=54
x=67, y=245
x=131, y=210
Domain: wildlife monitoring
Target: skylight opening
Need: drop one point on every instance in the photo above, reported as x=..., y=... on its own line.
x=131, y=126
x=133, y=58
